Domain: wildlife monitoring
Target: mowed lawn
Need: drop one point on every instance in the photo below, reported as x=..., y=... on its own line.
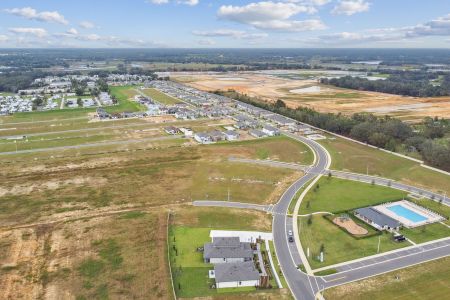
x=190, y=229
x=350, y=156
x=124, y=95
x=339, y=245
x=160, y=97
x=335, y=195
x=427, y=281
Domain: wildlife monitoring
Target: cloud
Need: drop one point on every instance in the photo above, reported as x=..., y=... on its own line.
x=271, y=15
x=185, y=2
x=236, y=34
x=350, y=7
x=206, y=42
x=32, y=14
x=437, y=27
x=87, y=25
x=72, y=31
x=3, y=38
x=38, y=32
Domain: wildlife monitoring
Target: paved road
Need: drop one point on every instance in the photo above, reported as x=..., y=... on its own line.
x=62, y=148
x=386, y=263
x=301, y=285
x=351, y=176
x=209, y=203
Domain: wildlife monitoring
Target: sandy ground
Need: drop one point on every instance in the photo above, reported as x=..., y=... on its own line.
x=350, y=226
x=325, y=99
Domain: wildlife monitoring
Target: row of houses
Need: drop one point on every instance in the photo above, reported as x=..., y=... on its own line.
x=213, y=136
x=12, y=104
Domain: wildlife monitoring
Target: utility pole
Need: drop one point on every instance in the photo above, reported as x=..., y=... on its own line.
x=228, y=195
x=379, y=241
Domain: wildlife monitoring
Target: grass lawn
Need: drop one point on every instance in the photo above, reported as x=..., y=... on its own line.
x=427, y=281
x=339, y=245
x=46, y=115
x=124, y=95
x=160, y=97
x=276, y=148
x=335, y=195
x=190, y=228
x=426, y=233
x=350, y=156
x=277, y=265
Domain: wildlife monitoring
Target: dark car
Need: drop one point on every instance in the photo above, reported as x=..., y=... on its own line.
x=290, y=239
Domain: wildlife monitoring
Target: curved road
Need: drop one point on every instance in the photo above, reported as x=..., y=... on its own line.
x=301, y=285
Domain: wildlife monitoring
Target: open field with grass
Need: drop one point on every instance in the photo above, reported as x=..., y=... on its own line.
x=353, y=157
x=34, y=186
x=335, y=195
x=104, y=257
x=339, y=245
x=125, y=95
x=426, y=281
x=160, y=97
x=190, y=229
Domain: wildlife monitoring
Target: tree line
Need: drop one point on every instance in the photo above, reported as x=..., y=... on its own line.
x=416, y=84
x=426, y=139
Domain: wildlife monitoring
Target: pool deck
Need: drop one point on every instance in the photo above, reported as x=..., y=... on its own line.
x=428, y=215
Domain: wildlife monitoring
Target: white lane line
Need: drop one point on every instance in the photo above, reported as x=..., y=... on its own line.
x=395, y=258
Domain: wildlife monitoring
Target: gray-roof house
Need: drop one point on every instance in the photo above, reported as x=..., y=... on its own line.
x=236, y=275
x=227, y=250
x=377, y=219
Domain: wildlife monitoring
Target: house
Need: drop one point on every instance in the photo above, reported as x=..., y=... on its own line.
x=216, y=135
x=187, y=132
x=172, y=130
x=271, y=131
x=227, y=250
x=377, y=219
x=236, y=275
x=202, y=138
x=231, y=135
x=257, y=133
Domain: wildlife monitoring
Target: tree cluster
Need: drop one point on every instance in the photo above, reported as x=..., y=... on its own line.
x=383, y=132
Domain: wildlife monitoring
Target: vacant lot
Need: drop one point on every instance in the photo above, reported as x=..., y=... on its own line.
x=119, y=256
x=125, y=96
x=335, y=195
x=36, y=187
x=350, y=156
x=160, y=97
x=300, y=88
x=430, y=281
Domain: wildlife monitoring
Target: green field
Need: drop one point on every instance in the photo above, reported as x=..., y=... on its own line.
x=427, y=281
x=350, y=156
x=339, y=245
x=335, y=195
x=160, y=97
x=124, y=95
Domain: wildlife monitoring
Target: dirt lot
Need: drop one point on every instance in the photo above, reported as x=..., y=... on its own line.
x=282, y=85
x=99, y=257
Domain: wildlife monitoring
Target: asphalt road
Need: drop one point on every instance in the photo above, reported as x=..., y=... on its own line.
x=301, y=285
x=351, y=176
x=385, y=263
x=210, y=203
x=62, y=148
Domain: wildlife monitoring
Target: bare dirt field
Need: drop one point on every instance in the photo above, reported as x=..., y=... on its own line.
x=350, y=225
x=304, y=90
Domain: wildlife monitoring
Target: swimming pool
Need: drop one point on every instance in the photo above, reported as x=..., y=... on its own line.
x=406, y=213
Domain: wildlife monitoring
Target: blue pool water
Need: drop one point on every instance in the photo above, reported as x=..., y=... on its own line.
x=406, y=213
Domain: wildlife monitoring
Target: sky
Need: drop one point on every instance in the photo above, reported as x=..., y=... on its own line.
x=225, y=24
